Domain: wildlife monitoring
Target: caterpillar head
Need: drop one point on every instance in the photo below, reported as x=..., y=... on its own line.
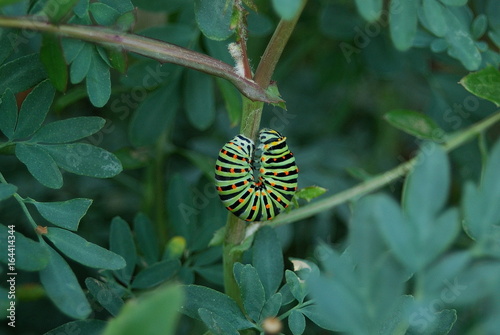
x=269, y=138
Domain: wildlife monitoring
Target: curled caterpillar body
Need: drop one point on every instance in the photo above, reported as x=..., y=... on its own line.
x=266, y=197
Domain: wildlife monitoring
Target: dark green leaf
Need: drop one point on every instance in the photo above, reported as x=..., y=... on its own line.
x=435, y=18
x=199, y=99
x=34, y=110
x=8, y=114
x=6, y=45
x=7, y=190
x=484, y=83
x=272, y=306
x=121, y=242
x=122, y=6
x=310, y=192
x=98, y=82
x=287, y=9
x=87, y=327
x=103, y=14
x=214, y=17
x=22, y=73
x=439, y=323
x=416, y=124
x=52, y=57
x=215, y=302
x=252, y=292
x=147, y=239
x=216, y=323
x=56, y=10
x=68, y=130
x=82, y=251
x=29, y=255
x=153, y=115
x=479, y=26
x=319, y=317
x=426, y=186
x=81, y=8
x=232, y=100
x=65, y=214
x=296, y=322
x=81, y=63
x=40, y=164
x=403, y=23
x=118, y=59
x=156, y=274
x=151, y=314
x=62, y=287
x=104, y=295
x=85, y=159
x=461, y=46
x=268, y=259
x=296, y=287
x=370, y=10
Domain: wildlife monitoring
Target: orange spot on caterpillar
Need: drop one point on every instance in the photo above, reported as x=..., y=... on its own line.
x=263, y=158
x=262, y=170
x=242, y=170
x=286, y=173
x=285, y=188
x=219, y=168
x=232, y=170
x=268, y=206
x=254, y=208
x=219, y=189
x=235, y=156
x=273, y=184
x=241, y=199
x=233, y=186
x=245, y=182
x=276, y=173
x=279, y=199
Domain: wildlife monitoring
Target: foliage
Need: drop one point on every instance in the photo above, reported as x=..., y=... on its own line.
x=112, y=114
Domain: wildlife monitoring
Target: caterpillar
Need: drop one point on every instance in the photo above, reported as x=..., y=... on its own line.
x=238, y=190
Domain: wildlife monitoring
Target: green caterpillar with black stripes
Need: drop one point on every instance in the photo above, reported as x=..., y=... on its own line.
x=260, y=200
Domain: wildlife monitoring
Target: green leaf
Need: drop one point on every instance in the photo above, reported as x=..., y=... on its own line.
x=484, y=83
x=416, y=124
x=65, y=214
x=198, y=297
x=252, y=292
x=85, y=160
x=147, y=239
x=40, y=164
x=34, y=110
x=98, y=81
x=370, y=10
x=214, y=18
x=320, y=318
x=199, y=99
x=29, y=255
x=62, y=287
x=287, y=9
x=232, y=100
x=156, y=274
x=403, y=23
x=480, y=205
x=461, y=46
x=272, y=306
x=52, y=57
x=310, y=192
x=103, y=14
x=426, y=186
x=296, y=322
x=217, y=324
x=121, y=242
x=56, y=10
x=22, y=73
x=81, y=8
x=479, y=26
x=434, y=17
x=296, y=287
x=104, y=295
x=268, y=259
x=8, y=113
x=80, y=66
x=454, y=2
x=153, y=115
x=152, y=314
x=7, y=190
x=87, y=327
x=82, y=251
x=68, y=130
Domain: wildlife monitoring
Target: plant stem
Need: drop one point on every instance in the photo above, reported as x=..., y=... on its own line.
x=250, y=123
x=455, y=140
x=159, y=50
